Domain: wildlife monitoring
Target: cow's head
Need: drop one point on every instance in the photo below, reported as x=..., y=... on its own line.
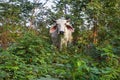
x=61, y=26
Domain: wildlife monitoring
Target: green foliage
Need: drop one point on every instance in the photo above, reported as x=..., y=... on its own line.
x=32, y=57
x=24, y=58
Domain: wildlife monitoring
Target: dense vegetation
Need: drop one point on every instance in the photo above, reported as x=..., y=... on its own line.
x=26, y=53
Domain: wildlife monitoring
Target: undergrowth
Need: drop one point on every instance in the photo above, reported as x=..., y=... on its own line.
x=32, y=57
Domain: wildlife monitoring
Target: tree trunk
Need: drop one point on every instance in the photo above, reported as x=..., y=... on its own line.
x=95, y=31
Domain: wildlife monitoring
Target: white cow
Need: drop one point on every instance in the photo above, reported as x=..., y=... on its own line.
x=61, y=33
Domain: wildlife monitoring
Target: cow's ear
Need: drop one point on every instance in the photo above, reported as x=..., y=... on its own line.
x=53, y=29
x=70, y=28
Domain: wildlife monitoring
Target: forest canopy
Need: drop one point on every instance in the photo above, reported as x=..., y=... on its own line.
x=26, y=50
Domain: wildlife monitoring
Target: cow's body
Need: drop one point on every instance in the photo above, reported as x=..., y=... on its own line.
x=61, y=33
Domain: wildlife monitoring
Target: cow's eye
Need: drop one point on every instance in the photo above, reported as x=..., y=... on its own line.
x=66, y=25
x=56, y=24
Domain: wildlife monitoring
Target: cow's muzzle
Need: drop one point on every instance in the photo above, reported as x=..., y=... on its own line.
x=61, y=32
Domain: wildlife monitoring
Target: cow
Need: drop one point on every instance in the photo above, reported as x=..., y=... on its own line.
x=61, y=33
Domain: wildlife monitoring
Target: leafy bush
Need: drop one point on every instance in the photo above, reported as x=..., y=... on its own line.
x=29, y=58
x=32, y=57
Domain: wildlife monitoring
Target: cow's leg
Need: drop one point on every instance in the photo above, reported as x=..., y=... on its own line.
x=61, y=44
x=64, y=45
x=70, y=41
